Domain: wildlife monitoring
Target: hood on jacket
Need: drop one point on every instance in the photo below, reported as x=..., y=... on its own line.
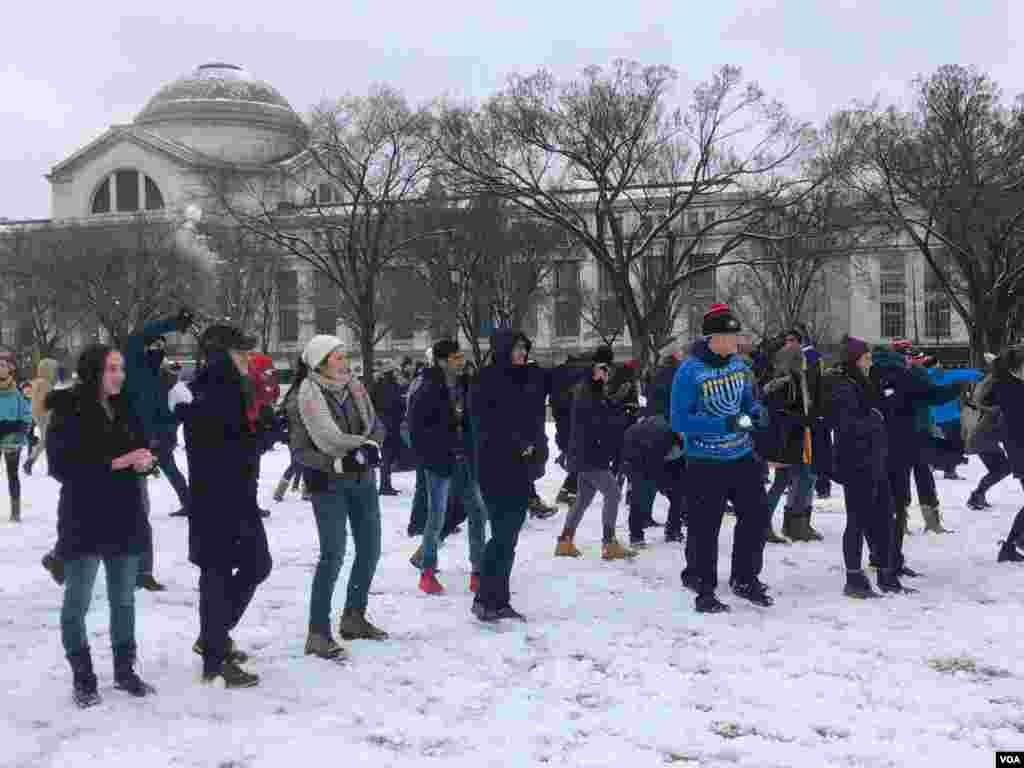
x=503, y=341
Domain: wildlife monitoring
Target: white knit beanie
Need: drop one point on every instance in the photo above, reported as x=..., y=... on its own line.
x=318, y=348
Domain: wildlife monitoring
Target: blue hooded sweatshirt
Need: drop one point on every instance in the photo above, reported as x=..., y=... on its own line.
x=706, y=391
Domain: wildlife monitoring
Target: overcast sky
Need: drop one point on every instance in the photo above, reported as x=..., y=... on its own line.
x=68, y=71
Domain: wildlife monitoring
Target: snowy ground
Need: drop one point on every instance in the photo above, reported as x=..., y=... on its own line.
x=614, y=668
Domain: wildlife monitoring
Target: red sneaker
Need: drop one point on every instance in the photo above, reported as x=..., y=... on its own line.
x=429, y=583
x=474, y=582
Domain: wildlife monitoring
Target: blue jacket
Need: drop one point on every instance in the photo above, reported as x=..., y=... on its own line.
x=706, y=392
x=15, y=419
x=949, y=413
x=142, y=380
x=432, y=430
x=508, y=403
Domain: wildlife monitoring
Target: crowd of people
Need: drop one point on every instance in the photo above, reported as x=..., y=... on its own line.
x=716, y=428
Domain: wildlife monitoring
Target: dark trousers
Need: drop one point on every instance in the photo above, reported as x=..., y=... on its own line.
x=507, y=514
x=899, y=482
x=164, y=450
x=418, y=512
x=390, y=452
x=11, y=466
x=671, y=483
x=226, y=588
x=998, y=468
x=708, y=485
x=869, y=515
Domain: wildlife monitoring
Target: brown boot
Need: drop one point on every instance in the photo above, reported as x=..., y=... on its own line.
x=613, y=550
x=324, y=647
x=354, y=626
x=933, y=519
x=566, y=548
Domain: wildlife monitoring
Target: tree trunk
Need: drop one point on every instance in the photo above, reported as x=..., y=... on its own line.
x=366, y=345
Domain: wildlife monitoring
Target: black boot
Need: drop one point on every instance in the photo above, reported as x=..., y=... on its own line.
x=978, y=502
x=1008, y=553
x=889, y=582
x=125, y=678
x=858, y=586
x=753, y=591
x=708, y=603
x=85, y=691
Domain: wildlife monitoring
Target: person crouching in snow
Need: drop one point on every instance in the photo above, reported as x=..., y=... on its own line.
x=443, y=439
x=336, y=437
x=598, y=426
x=96, y=450
x=653, y=461
x=15, y=421
x=713, y=407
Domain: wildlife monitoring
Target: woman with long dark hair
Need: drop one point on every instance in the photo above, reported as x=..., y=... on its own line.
x=96, y=450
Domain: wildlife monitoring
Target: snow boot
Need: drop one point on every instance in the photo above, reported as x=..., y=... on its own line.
x=978, y=502
x=55, y=566
x=753, y=591
x=613, y=550
x=15, y=510
x=708, y=603
x=324, y=647
x=933, y=520
x=508, y=612
x=233, y=676
x=85, y=686
x=808, y=529
x=281, y=489
x=566, y=547
x=485, y=613
x=355, y=626
x=474, y=583
x=858, y=586
x=125, y=677
x=889, y=582
x=234, y=654
x=429, y=583
x=147, y=582
x=1008, y=553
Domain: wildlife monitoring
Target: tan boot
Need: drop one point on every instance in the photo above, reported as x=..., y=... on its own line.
x=613, y=550
x=933, y=520
x=324, y=647
x=354, y=626
x=567, y=548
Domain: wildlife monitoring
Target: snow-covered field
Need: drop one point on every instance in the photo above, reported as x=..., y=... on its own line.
x=614, y=667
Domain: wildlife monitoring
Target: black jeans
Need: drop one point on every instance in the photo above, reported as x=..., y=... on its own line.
x=507, y=514
x=708, y=485
x=390, y=452
x=869, y=515
x=11, y=466
x=671, y=483
x=226, y=588
x=998, y=466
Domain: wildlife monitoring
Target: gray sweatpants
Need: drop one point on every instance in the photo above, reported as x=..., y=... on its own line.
x=588, y=484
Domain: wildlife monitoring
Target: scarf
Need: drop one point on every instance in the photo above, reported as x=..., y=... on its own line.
x=320, y=419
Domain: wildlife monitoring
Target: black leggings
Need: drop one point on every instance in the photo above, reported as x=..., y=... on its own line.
x=11, y=461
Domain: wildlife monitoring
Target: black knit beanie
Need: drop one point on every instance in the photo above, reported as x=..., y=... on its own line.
x=720, y=319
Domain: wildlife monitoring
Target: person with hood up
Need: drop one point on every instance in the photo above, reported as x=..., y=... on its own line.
x=96, y=450
x=15, y=421
x=443, y=438
x=598, y=426
x=1008, y=396
x=42, y=384
x=143, y=357
x=226, y=537
x=986, y=438
x=713, y=407
x=906, y=393
x=509, y=401
x=336, y=436
x=861, y=459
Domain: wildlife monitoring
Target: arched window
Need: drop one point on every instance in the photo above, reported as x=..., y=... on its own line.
x=126, y=191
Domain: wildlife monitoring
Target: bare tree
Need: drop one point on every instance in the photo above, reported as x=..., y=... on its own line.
x=610, y=162
x=949, y=176
x=367, y=161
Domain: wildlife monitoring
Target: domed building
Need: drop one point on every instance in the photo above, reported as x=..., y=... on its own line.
x=218, y=115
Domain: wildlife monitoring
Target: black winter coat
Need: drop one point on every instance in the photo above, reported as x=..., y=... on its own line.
x=433, y=426
x=645, y=446
x=389, y=402
x=1008, y=396
x=563, y=380
x=508, y=403
x=782, y=441
x=861, y=442
x=659, y=395
x=222, y=455
x=100, y=511
x=598, y=427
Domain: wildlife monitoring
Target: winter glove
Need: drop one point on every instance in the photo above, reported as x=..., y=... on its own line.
x=184, y=319
x=741, y=422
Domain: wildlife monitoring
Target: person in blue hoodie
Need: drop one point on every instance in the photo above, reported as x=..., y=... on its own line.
x=509, y=408
x=713, y=407
x=15, y=422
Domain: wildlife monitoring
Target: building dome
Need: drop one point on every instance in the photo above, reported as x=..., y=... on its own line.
x=222, y=110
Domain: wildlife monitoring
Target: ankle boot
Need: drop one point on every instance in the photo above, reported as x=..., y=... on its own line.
x=613, y=550
x=429, y=583
x=355, y=626
x=323, y=646
x=858, y=586
x=933, y=519
x=125, y=678
x=84, y=684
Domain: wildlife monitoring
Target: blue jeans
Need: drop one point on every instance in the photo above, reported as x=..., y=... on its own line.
x=463, y=486
x=507, y=513
x=79, y=579
x=357, y=502
x=800, y=479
